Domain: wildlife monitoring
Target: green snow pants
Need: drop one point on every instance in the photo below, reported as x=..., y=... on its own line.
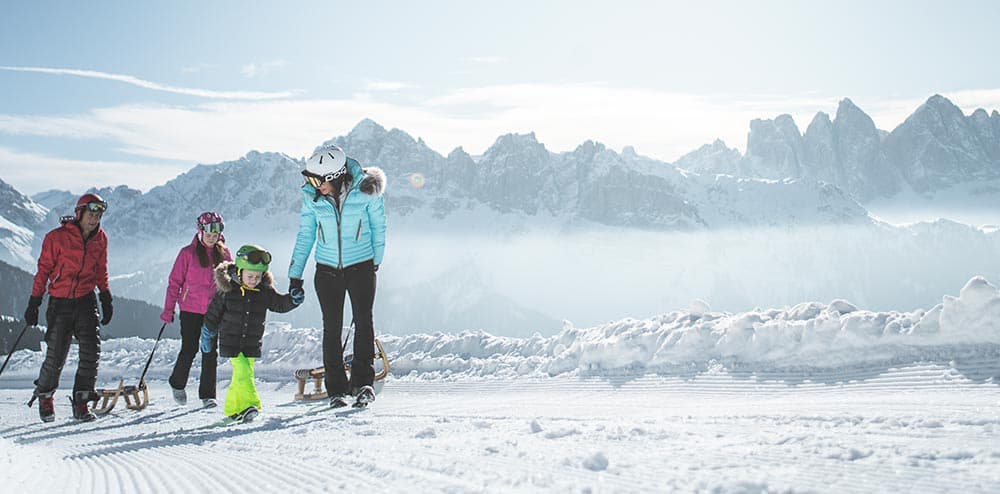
x=241, y=393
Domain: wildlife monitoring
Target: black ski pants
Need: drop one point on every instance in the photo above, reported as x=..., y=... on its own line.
x=191, y=323
x=357, y=281
x=66, y=318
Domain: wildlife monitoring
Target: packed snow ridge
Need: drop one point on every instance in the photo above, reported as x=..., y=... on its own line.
x=808, y=335
x=801, y=341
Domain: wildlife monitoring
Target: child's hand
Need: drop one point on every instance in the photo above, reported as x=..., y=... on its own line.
x=296, y=291
x=207, y=339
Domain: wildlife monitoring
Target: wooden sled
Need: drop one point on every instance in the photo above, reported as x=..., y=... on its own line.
x=136, y=398
x=319, y=373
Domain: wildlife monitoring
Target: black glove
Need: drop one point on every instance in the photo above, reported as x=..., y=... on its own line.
x=375, y=268
x=31, y=313
x=296, y=291
x=106, y=308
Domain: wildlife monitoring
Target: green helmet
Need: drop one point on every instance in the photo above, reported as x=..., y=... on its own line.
x=253, y=257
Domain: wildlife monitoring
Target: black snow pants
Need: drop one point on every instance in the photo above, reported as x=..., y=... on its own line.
x=191, y=323
x=358, y=281
x=66, y=318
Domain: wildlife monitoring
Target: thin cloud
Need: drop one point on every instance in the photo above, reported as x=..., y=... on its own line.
x=31, y=173
x=386, y=86
x=253, y=70
x=191, y=69
x=135, y=81
x=659, y=124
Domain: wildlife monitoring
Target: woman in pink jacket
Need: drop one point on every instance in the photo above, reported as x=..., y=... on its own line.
x=192, y=286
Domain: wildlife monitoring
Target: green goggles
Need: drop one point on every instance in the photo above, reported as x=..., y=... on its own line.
x=256, y=256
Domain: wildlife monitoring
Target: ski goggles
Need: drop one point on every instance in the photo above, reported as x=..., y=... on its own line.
x=97, y=207
x=317, y=180
x=213, y=227
x=257, y=257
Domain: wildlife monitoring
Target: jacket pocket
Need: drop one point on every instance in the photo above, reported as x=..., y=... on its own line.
x=184, y=293
x=357, y=236
x=319, y=232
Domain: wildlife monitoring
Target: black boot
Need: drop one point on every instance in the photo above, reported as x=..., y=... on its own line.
x=338, y=401
x=81, y=406
x=46, y=407
x=365, y=396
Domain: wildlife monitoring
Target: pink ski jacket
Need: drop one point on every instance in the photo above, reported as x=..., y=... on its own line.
x=190, y=285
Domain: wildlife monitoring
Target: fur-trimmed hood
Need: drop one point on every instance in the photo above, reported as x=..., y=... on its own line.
x=227, y=277
x=374, y=182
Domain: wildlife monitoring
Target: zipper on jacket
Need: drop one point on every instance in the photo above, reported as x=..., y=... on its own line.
x=322, y=237
x=340, y=240
x=83, y=262
x=340, y=246
x=357, y=236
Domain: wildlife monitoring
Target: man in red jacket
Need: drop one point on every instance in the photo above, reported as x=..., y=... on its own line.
x=73, y=262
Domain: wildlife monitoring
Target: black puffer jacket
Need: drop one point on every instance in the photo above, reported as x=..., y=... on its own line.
x=238, y=313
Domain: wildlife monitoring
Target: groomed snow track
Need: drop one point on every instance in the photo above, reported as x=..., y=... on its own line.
x=917, y=428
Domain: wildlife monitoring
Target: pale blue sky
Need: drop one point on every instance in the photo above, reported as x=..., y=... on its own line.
x=129, y=92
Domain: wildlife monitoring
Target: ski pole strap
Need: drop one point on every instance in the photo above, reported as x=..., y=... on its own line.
x=11, y=352
x=150, y=359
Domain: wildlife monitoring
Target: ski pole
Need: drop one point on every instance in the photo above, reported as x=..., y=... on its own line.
x=11, y=352
x=150, y=360
x=350, y=330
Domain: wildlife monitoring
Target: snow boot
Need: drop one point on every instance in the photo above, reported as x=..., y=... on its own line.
x=180, y=396
x=209, y=403
x=247, y=415
x=46, y=407
x=339, y=401
x=81, y=407
x=366, y=395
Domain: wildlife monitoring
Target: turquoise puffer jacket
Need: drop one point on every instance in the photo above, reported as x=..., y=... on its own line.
x=343, y=238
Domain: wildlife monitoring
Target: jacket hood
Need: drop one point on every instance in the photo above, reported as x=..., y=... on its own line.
x=227, y=277
x=373, y=182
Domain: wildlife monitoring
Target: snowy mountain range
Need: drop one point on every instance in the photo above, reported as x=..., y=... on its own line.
x=519, y=188
x=935, y=148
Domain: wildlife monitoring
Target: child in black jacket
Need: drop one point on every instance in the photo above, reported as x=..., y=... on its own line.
x=235, y=321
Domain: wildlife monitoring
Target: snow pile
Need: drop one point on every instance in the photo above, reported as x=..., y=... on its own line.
x=807, y=336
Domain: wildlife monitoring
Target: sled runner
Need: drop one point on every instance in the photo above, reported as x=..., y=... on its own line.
x=318, y=374
x=136, y=397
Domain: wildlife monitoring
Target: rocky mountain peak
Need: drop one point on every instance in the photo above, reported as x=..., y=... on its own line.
x=774, y=149
x=819, y=122
x=366, y=130
x=588, y=150
x=711, y=159
x=19, y=208
x=459, y=154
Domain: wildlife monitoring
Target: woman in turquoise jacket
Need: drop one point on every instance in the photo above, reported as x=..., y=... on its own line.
x=344, y=217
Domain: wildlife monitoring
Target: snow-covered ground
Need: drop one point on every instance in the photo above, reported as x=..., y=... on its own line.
x=811, y=398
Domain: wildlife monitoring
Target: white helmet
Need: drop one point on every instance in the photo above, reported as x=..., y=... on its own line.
x=327, y=161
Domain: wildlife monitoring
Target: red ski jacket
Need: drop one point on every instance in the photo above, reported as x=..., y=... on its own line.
x=70, y=266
